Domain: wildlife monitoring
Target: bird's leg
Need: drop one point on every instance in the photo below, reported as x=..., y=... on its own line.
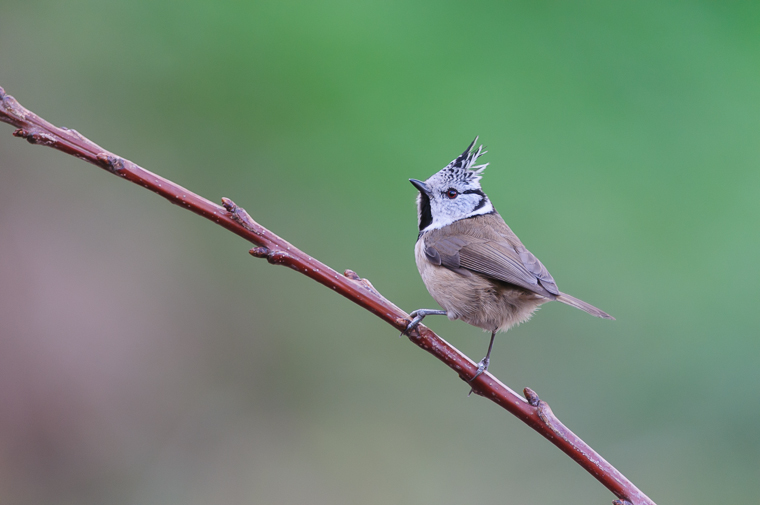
x=418, y=315
x=483, y=365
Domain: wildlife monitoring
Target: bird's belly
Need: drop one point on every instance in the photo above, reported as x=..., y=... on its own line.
x=476, y=299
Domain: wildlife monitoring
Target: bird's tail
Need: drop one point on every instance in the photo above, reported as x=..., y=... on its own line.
x=580, y=304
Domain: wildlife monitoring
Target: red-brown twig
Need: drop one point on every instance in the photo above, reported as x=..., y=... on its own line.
x=534, y=412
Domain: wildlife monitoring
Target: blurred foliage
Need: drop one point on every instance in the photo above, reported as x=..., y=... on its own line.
x=146, y=358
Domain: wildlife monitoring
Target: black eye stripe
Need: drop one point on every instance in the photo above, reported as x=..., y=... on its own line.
x=465, y=192
x=474, y=192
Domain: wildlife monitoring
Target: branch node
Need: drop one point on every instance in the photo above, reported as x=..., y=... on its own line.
x=369, y=285
x=241, y=217
x=229, y=205
x=273, y=257
x=621, y=502
x=532, y=397
x=114, y=164
x=35, y=138
x=13, y=110
x=278, y=258
x=547, y=416
x=76, y=134
x=352, y=275
x=259, y=252
x=364, y=282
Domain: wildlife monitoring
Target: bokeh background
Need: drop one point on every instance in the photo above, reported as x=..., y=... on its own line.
x=146, y=358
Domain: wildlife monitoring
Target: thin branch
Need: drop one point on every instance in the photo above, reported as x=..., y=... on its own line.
x=534, y=412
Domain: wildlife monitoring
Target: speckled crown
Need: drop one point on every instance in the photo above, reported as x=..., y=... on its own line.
x=462, y=167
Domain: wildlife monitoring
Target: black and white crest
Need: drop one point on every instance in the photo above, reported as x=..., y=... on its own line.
x=465, y=160
x=463, y=168
x=453, y=193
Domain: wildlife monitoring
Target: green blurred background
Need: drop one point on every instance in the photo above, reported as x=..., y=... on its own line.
x=146, y=358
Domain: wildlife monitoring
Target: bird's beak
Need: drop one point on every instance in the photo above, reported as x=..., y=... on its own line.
x=421, y=186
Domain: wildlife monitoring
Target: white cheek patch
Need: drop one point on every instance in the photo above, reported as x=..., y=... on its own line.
x=450, y=214
x=485, y=209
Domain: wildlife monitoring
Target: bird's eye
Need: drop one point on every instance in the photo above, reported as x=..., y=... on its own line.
x=452, y=193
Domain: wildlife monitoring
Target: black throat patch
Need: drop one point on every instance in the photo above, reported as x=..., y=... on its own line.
x=426, y=216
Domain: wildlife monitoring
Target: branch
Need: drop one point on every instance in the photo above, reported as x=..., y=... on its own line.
x=534, y=412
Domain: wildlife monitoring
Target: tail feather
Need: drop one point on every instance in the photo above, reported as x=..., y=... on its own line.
x=580, y=304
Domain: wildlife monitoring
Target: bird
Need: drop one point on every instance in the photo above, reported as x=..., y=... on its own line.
x=471, y=262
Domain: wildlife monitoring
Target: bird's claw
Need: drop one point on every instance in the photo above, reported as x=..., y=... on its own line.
x=413, y=324
x=482, y=367
x=418, y=315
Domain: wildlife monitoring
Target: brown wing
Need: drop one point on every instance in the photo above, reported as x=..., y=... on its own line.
x=534, y=266
x=446, y=253
x=489, y=247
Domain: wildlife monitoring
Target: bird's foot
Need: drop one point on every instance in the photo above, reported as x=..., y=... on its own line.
x=417, y=316
x=482, y=367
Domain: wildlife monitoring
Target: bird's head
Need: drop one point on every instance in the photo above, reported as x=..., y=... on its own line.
x=453, y=193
